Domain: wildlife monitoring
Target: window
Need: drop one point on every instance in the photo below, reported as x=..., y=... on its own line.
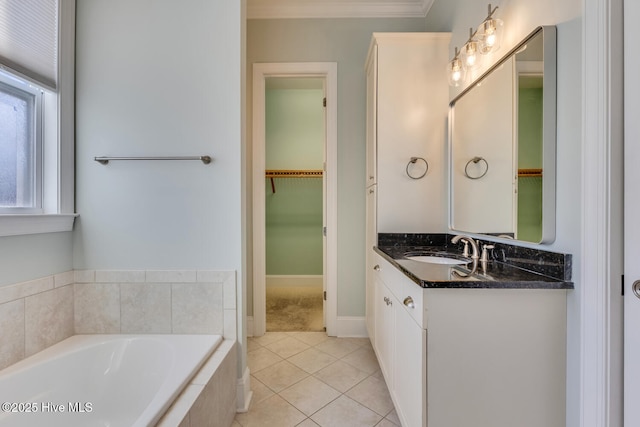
x=20, y=146
x=37, y=42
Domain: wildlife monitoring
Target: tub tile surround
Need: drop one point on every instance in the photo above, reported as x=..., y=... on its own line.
x=512, y=265
x=35, y=315
x=207, y=400
x=156, y=301
x=39, y=313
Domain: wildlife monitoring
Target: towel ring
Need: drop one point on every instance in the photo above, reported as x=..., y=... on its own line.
x=476, y=160
x=413, y=161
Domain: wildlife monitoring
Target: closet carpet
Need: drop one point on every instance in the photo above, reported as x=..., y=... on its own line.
x=294, y=308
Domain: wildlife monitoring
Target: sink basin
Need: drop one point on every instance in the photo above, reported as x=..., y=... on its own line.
x=437, y=260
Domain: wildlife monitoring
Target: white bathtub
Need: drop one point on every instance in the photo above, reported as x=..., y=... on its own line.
x=101, y=380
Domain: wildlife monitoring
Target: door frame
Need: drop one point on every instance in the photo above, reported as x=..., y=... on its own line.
x=329, y=72
x=601, y=345
x=632, y=208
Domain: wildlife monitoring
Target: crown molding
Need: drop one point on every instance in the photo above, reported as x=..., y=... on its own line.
x=277, y=9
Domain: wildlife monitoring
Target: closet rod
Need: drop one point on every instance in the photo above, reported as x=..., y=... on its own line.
x=308, y=173
x=105, y=160
x=273, y=173
x=529, y=173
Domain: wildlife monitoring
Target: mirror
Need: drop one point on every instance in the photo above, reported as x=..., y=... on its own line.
x=502, y=146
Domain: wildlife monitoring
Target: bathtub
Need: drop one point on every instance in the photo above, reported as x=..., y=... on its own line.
x=101, y=380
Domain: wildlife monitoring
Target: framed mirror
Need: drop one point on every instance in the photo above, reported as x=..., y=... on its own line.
x=502, y=146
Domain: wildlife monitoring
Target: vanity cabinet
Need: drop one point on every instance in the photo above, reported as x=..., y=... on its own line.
x=400, y=347
x=482, y=357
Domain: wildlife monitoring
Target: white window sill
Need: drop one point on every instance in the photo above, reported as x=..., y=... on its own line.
x=15, y=225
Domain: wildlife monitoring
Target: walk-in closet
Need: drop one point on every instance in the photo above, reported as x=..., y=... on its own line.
x=294, y=203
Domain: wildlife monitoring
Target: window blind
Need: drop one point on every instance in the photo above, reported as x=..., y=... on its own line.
x=29, y=39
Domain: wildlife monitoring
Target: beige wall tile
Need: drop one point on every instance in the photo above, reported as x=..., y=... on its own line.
x=97, y=308
x=63, y=279
x=84, y=276
x=171, y=276
x=25, y=289
x=145, y=308
x=120, y=276
x=215, y=276
x=12, y=332
x=178, y=413
x=48, y=318
x=230, y=324
x=197, y=308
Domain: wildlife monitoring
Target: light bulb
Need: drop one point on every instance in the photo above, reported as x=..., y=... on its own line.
x=489, y=34
x=470, y=54
x=456, y=72
x=491, y=39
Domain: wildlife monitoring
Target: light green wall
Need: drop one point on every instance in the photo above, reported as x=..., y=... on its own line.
x=294, y=140
x=294, y=128
x=530, y=157
x=345, y=41
x=294, y=227
x=530, y=128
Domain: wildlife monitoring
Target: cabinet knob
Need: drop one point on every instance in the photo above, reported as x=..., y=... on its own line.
x=408, y=301
x=376, y=267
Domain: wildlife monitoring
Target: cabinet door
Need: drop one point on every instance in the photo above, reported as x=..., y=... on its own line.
x=384, y=330
x=371, y=299
x=410, y=370
x=372, y=79
x=371, y=241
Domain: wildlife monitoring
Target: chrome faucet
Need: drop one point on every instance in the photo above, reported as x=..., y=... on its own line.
x=469, y=240
x=474, y=253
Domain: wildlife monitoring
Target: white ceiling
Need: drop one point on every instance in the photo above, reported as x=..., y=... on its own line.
x=272, y=9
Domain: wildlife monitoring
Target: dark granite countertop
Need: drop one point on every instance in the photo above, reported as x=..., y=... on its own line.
x=509, y=266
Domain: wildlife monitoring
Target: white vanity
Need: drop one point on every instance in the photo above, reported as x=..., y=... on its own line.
x=490, y=354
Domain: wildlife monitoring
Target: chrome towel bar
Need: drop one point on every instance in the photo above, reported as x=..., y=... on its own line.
x=105, y=160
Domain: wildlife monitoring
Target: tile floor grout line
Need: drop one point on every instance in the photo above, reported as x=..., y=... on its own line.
x=355, y=345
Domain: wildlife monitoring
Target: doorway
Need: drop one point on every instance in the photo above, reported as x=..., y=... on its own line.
x=294, y=203
x=294, y=196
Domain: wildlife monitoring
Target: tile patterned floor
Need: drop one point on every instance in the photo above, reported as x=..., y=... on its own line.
x=307, y=379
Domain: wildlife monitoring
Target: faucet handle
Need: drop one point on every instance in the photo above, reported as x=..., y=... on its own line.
x=465, y=250
x=485, y=255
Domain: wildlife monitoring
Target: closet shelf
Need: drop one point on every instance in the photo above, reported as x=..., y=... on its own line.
x=529, y=173
x=273, y=173
x=293, y=173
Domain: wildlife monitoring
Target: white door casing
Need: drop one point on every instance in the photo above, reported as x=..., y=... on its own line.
x=601, y=248
x=631, y=214
x=328, y=71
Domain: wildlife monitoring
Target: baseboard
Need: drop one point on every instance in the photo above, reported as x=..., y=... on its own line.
x=351, y=326
x=291, y=280
x=244, y=393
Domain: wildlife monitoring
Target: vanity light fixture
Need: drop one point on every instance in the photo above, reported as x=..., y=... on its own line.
x=484, y=40
x=456, y=70
x=490, y=33
x=471, y=52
